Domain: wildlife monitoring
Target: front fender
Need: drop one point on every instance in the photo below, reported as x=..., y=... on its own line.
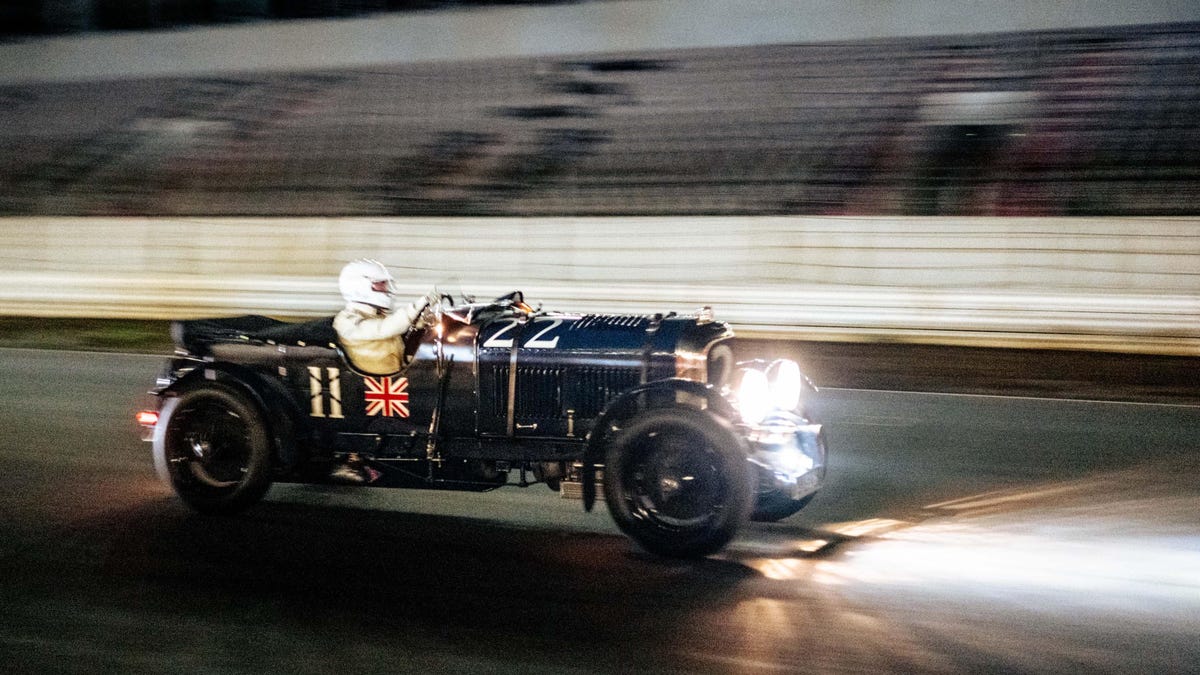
x=657, y=394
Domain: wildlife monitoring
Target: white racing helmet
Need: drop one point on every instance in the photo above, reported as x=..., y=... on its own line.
x=369, y=282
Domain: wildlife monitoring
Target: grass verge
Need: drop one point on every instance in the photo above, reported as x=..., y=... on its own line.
x=102, y=335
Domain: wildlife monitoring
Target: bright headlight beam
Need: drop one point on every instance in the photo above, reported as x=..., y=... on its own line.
x=754, y=396
x=786, y=384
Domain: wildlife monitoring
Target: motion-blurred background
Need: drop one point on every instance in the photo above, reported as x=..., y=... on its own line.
x=1018, y=174
x=1100, y=121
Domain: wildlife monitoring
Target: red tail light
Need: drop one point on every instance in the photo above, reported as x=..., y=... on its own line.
x=147, y=418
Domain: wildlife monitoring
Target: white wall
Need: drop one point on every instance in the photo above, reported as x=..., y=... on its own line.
x=1124, y=284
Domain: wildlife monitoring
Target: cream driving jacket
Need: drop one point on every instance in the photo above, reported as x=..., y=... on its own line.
x=372, y=338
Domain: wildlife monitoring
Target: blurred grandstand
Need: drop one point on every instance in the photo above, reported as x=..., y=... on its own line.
x=1099, y=121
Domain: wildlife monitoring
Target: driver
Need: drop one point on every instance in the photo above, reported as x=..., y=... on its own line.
x=374, y=336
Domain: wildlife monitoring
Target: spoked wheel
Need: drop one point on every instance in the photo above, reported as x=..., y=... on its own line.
x=212, y=448
x=677, y=482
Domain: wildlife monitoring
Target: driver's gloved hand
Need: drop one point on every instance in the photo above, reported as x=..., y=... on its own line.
x=427, y=308
x=416, y=311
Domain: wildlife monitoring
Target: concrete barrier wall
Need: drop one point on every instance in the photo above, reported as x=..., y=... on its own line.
x=1123, y=284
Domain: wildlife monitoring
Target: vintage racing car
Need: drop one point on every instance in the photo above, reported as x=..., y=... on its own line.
x=685, y=444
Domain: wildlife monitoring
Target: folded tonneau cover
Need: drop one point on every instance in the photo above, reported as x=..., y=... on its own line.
x=196, y=335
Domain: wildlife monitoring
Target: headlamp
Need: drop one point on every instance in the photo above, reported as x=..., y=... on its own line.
x=762, y=391
x=786, y=384
x=754, y=396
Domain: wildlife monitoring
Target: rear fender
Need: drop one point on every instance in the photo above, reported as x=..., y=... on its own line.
x=279, y=409
x=657, y=394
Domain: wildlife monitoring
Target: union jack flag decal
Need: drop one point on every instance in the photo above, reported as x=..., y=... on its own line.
x=386, y=396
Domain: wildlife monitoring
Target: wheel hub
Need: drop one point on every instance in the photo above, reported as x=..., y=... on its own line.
x=202, y=449
x=668, y=487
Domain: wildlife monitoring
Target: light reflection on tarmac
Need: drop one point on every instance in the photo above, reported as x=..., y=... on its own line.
x=1095, y=574
x=965, y=534
x=1126, y=536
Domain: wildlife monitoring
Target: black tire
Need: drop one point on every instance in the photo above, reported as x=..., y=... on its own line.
x=676, y=481
x=212, y=448
x=773, y=506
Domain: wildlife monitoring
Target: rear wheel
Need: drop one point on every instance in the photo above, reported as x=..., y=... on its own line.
x=211, y=446
x=677, y=482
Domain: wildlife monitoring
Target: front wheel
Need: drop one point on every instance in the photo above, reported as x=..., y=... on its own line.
x=677, y=482
x=212, y=448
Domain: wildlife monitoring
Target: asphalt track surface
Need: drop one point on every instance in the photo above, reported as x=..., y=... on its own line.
x=958, y=533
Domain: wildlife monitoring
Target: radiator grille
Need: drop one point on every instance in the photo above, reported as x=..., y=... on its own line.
x=548, y=393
